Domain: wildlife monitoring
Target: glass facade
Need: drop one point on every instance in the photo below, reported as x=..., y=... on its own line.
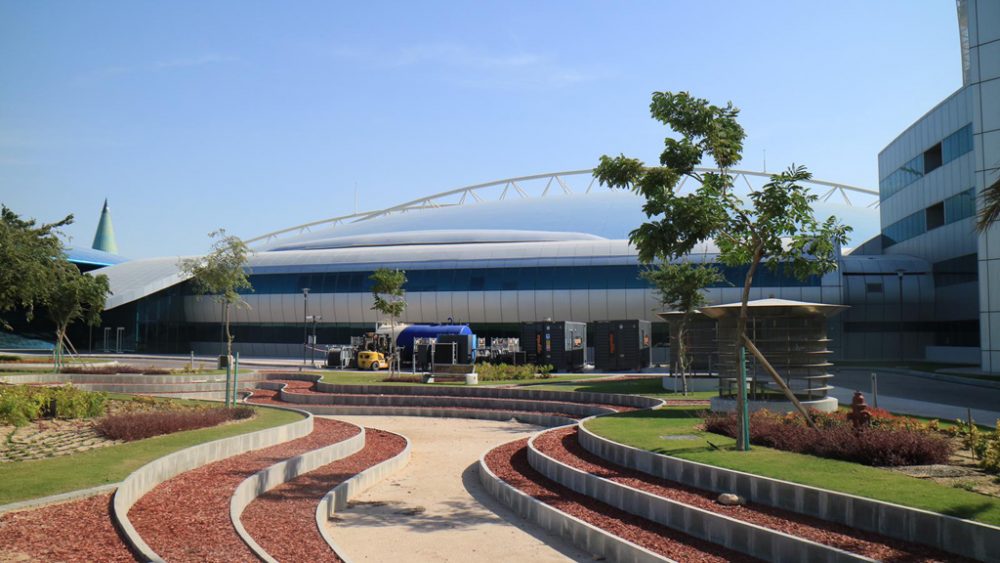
x=957, y=207
x=951, y=147
x=960, y=206
x=506, y=279
x=906, y=228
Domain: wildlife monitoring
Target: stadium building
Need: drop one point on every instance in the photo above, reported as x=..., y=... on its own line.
x=554, y=246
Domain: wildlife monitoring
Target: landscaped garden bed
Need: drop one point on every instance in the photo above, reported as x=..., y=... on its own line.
x=885, y=440
x=562, y=445
x=42, y=422
x=680, y=432
x=510, y=463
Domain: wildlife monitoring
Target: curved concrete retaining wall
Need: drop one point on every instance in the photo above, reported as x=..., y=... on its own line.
x=826, y=404
x=582, y=534
x=757, y=541
x=490, y=393
x=947, y=533
x=537, y=419
x=432, y=401
x=188, y=386
x=280, y=473
x=338, y=498
x=144, y=479
x=674, y=383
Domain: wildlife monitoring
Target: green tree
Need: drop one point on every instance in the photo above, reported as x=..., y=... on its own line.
x=73, y=296
x=27, y=254
x=681, y=287
x=777, y=227
x=390, y=301
x=222, y=273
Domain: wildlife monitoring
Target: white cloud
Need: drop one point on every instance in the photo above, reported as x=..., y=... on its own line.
x=164, y=65
x=208, y=59
x=472, y=67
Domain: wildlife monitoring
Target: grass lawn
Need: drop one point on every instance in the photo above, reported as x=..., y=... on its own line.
x=644, y=429
x=33, y=479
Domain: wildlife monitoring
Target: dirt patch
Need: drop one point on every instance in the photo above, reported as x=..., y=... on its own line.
x=962, y=472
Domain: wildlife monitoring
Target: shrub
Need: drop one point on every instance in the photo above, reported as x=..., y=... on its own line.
x=21, y=404
x=400, y=378
x=505, y=372
x=115, y=368
x=891, y=442
x=139, y=425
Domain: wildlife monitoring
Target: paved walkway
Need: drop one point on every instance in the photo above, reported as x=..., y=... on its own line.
x=435, y=509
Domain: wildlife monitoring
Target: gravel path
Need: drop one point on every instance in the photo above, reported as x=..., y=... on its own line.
x=292, y=506
x=510, y=463
x=562, y=444
x=77, y=531
x=435, y=508
x=187, y=518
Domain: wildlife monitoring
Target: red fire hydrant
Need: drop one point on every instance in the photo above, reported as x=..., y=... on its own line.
x=859, y=416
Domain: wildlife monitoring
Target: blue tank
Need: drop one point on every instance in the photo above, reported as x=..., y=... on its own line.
x=406, y=336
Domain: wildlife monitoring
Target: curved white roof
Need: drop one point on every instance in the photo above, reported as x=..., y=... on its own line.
x=607, y=214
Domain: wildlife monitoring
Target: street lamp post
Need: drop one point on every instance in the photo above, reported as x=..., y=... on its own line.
x=312, y=352
x=305, y=323
x=899, y=275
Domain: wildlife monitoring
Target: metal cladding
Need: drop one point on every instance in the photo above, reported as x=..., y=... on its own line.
x=792, y=335
x=622, y=345
x=561, y=344
x=104, y=238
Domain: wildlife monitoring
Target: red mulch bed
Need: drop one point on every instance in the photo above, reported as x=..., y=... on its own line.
x=510, y=463
x=283, y=520
x=562, y=445
x=187, y=518
x=79, y=530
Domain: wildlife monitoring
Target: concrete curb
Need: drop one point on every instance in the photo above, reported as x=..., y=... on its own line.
x=526, y=417
x=947, y=533
x=283, y=472
x=751, y=539
x=584, y=535
x=432, y=401
x=635, y=401
x=144, y=479
x=339, y=496
x=57, y=499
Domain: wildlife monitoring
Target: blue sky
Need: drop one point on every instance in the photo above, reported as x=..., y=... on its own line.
x=254, y=116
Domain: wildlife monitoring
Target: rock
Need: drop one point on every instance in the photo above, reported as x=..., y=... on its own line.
x=729, y=499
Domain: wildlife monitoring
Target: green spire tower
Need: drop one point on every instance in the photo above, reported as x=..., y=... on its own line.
x=104, y=239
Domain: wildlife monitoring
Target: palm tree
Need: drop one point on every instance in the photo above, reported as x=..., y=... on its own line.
x=989, y=213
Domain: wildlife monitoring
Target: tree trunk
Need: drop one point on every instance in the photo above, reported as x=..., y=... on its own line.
x=57, y=351
x=229, y=335
x=741, y=329
x=682, y=354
